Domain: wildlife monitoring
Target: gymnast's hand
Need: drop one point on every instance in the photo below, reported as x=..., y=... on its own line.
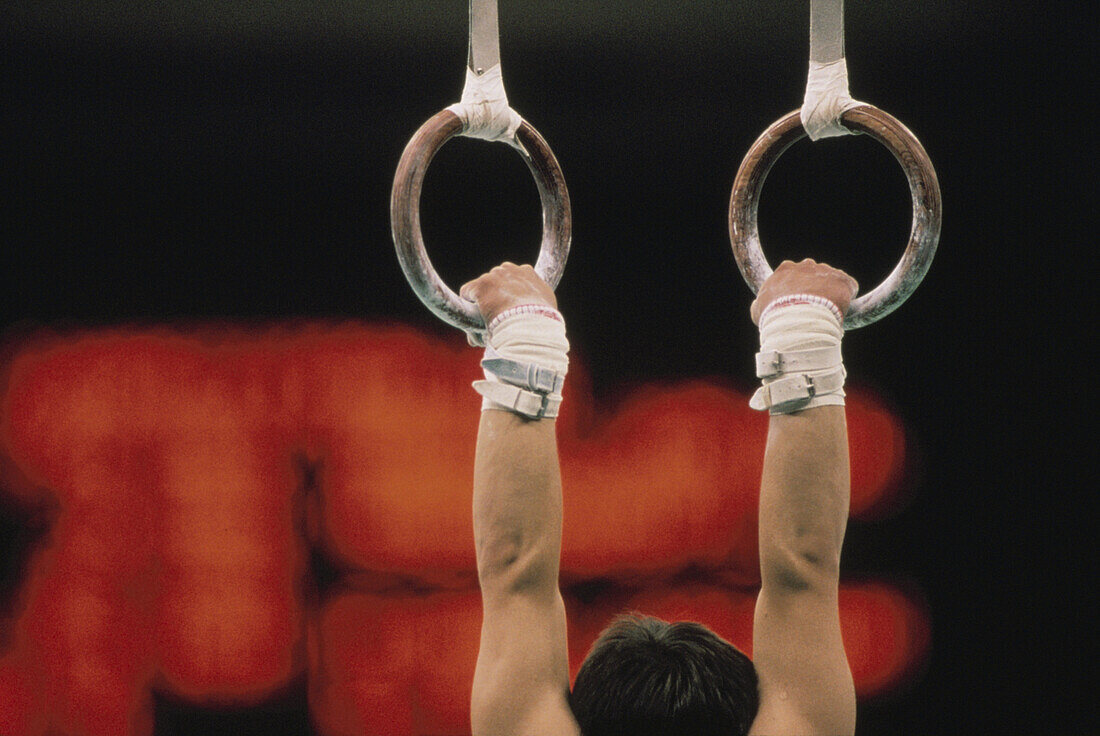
x=507, y=286
x=806, y=277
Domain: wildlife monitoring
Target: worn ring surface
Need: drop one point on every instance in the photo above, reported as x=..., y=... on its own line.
x=405, y=216
x=923, y=186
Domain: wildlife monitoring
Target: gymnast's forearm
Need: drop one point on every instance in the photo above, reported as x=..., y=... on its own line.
x=804, y=497
x=517, y=503
x=804, y=491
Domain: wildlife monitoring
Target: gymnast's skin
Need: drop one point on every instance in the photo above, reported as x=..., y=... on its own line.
x=803, y=682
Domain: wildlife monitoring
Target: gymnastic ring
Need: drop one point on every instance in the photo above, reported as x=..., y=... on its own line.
x=923, y=186
x=557, y=219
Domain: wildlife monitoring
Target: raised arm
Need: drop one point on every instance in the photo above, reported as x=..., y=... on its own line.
x=521, y=684
x=805, y=683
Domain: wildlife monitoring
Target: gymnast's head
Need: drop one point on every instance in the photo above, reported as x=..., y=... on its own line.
x=646, y=677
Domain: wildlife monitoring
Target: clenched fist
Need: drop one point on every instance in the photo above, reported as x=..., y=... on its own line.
x=507, y=286
x=806, y=277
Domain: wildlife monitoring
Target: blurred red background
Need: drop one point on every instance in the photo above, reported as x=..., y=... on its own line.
x=234, y=510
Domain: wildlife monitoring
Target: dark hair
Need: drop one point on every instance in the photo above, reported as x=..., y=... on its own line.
x=646, y=677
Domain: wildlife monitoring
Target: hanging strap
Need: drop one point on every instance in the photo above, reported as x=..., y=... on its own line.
x=484, y=109
x=827, y=83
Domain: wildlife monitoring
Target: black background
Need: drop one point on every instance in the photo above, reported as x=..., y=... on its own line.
x=200, y=161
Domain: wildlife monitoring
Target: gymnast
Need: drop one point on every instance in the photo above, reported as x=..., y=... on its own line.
x=644, y=676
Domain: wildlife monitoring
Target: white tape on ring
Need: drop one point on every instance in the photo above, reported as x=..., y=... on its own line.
x=826, y=99
x=484, y=109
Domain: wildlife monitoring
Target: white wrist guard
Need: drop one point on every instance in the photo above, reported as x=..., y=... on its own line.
x=799, y=359
x=525, y=362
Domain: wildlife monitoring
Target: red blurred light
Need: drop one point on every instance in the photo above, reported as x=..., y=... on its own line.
x=178, y=558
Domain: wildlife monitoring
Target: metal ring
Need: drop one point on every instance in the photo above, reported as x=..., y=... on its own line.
x=557, y=219
x=923, y=186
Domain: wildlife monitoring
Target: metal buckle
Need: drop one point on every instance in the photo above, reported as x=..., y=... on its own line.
x=541, y=379
x=768, y=364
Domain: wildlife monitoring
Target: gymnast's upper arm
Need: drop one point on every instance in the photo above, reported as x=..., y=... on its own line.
x=521, y=684
x=805, y=683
